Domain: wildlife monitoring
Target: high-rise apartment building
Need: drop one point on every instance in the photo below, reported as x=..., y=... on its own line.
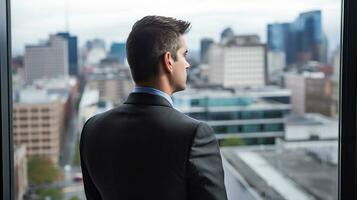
x=240, y=62
x=48, y=60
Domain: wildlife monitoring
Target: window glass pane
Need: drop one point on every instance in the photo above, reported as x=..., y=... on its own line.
x=264, y=77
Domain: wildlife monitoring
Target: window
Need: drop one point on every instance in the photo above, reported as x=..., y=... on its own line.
x=247, y=109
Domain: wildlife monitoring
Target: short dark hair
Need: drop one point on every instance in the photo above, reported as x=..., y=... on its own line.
x=150, y=38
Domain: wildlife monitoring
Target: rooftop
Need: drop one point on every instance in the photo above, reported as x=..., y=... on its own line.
x=312, y=126
x=296, y=173
x=214, y=92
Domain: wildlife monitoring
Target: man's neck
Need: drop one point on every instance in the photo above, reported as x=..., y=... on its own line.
x=160, y=87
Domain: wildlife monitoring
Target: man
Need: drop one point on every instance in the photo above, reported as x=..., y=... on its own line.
x=145, y=149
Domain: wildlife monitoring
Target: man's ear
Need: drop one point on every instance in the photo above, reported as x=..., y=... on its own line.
x=168, y=62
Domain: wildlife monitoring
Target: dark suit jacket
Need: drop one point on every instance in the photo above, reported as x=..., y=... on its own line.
x=145, y=149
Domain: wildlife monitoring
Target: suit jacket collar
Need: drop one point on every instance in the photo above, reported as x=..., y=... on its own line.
x=147, y=99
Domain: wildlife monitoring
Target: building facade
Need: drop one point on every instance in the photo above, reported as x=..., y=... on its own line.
x=205, y=43
x=118, y=50
x=241, y=62
x=256, y=117
x=311, y=93
x=301, y=40
x=47, y=60
x=72, y=52
x=113, y=85
x=39, y=127
x=20, y=171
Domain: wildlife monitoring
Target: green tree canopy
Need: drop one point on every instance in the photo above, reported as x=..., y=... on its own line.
x=42, y=170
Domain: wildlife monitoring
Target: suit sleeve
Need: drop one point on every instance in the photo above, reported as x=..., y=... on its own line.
x=91, y=191
x=205, y=170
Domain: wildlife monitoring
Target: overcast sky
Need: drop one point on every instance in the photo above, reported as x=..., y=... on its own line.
x=34, y=20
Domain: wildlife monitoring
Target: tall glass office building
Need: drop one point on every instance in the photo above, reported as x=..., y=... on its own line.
x=255, y=116
x=300, y=40
x=118, y=50
x=72, y=52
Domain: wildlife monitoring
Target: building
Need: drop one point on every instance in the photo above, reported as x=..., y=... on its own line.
x=94, y=52
x=38, y=123
x=227, y=34
x=40, y=114
x=95, y=43
x=336, y=80
x=301, y=40
x=254, y=116
x=280, y=39
x=91, y=105
x=20, y=172
x=304, y=171
x=72, y=52
x=205, y=43
x=311, y=93
x=113, y=84
x=118, y=50
x=276, y=66
x=304, y=165
x=66, y=89
x=240, y=62
x=310, y=127
x=47, y=60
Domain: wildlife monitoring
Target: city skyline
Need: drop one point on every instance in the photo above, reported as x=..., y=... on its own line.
x=112, y=21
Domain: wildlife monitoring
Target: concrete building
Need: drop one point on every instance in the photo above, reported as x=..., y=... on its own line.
x=40, y=114
x=254, y=116
x=91, y=105
x=20, y=171
x=241, y=62
x=113, y=84
x=311, y=92
x=310, y=127
x=39, y=126
x=47, y=60
x=66, y=89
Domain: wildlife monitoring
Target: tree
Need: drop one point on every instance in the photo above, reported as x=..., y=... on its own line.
x=42, y=170
x=77, y=159
x=54, y=194
x=74, y=198
x=231, y=142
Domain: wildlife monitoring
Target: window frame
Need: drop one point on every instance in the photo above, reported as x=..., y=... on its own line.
x=347, y=103
x=7, y=157
x=347, y=118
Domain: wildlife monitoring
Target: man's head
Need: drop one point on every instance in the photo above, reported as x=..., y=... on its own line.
x=156, y=47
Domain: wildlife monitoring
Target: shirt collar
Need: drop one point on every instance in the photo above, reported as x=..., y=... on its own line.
x=150, y=90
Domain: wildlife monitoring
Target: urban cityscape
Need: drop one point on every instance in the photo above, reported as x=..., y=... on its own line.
x=273, y=106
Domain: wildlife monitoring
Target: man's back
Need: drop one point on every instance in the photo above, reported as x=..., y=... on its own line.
x=145, y=149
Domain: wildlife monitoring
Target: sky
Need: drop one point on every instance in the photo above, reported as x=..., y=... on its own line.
x=111, y=20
